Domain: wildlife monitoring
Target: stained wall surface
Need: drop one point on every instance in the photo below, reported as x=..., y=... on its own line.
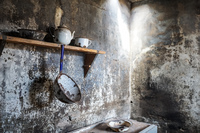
x=27, y=73
x=165, y=43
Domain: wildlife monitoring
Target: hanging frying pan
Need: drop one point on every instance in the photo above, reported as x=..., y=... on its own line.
x=66, y=89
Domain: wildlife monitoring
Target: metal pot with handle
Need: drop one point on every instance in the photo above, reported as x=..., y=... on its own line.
x=65, y=88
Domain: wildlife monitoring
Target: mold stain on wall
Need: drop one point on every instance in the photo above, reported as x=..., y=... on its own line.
x=165, y=67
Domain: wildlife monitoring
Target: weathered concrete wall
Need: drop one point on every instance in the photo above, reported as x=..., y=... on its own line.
x=27, y=102
x=166, y=66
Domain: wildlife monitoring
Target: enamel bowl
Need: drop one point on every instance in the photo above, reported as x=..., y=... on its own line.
x=119, y=125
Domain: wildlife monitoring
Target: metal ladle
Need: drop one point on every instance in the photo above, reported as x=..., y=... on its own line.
x=66, y=89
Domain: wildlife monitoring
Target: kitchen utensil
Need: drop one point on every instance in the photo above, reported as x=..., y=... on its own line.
x=66, y=89
x=119, y=125
x=32, y=34
x=82, y=42
x=62, y=35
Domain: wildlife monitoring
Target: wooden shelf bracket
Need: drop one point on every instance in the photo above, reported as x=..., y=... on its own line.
x=88, y=61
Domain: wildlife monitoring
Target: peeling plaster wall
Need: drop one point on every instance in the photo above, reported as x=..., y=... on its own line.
x=166, y=67
x=27, y=73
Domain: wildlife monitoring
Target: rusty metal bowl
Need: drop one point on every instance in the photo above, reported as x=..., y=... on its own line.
x=32, y=34
x=66, y=89
x=119, y=125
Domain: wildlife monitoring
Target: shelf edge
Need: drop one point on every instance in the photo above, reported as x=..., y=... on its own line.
x=11, y=39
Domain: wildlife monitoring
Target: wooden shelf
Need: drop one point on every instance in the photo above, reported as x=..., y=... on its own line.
x=89, y=56
x=47, y=44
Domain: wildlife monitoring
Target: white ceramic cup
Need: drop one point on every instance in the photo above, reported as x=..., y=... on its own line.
x=82, y=42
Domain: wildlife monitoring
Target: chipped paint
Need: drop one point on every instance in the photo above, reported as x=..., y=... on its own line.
x=27, y=73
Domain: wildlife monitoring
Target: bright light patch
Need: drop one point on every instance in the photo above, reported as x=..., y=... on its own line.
x=140, y=24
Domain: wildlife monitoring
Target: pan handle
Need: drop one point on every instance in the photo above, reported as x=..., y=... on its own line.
x=61, y=58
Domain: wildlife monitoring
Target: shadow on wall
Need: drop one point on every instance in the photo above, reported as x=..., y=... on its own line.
x=41, y=92
x=154, y=93
x=159, y=104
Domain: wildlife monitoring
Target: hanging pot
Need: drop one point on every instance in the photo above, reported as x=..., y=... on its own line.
x=65, y=88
